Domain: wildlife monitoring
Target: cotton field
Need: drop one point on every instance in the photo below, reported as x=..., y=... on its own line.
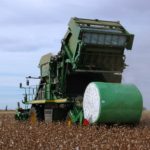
x=58, y=136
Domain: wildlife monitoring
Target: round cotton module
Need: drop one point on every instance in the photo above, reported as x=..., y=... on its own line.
x=91, y=103
x=112, y=103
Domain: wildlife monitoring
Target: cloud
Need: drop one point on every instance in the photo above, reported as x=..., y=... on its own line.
x=31, y=38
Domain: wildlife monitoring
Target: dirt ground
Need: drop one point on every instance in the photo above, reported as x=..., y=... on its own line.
x=58, y=136
x=7, y=112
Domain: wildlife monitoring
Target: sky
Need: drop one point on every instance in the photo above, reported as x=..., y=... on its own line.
x=32, y=28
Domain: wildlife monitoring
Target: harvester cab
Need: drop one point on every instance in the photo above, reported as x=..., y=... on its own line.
x=83, y=81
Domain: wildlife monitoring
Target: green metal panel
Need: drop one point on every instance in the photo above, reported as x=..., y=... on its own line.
x=44, y=64
x=72, y=38
x=45, y=59
x=47, y=91
x=45, y=70
x=76, y=114
x=119, y=103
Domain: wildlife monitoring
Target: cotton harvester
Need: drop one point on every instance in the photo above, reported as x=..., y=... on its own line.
x=82, y=83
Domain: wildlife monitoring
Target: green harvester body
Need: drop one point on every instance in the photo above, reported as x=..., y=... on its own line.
x=91, y=51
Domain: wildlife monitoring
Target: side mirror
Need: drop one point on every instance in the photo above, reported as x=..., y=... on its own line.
x=20, y=85
x=27, y=82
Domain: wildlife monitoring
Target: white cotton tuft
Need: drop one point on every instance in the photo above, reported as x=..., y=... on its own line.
x=91, y=103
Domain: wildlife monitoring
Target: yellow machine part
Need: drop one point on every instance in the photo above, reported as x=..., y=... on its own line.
x=47, y=101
